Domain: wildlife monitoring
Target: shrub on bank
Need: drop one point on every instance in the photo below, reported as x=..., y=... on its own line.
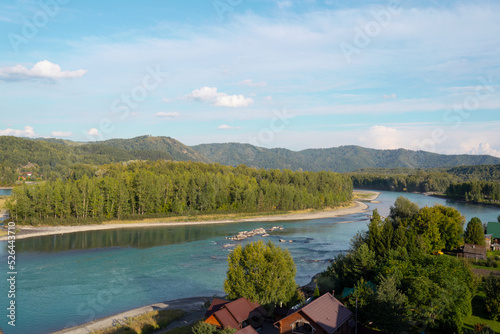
x=145, y=323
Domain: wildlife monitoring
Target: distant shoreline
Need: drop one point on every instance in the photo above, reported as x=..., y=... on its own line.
x=357, y=207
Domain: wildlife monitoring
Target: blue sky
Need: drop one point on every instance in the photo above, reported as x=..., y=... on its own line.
x=291, y=73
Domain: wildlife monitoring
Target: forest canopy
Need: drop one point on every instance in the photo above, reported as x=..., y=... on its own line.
x=161, y=188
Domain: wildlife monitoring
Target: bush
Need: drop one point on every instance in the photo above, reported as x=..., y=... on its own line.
x=492, y=290
x=325, y=284
x=202, y=327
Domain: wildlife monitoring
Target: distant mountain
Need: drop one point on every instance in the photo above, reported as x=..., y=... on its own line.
x=177, y=150
x=16, y=152
x=53, y=153
x=339, y=159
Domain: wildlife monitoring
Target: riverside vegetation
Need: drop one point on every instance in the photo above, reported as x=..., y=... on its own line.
x=400, y=285
x=160, y=189
x=476, y=184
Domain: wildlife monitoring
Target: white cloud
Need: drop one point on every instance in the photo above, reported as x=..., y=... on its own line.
x=166, y=100
x=480, y=148
x=250, y=83
x=27, y=132
x=41, y=70
x=284, y=4
x=269, y=98
x=210, y=95
x=382, y=137
x=61, y=134
x=227, y=127
x=167, y=114
x=391, y=96
x=93, y=132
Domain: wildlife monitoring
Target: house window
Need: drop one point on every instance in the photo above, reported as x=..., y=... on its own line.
x=302, y=327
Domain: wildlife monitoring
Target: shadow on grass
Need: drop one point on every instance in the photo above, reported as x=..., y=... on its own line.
x=479, y=314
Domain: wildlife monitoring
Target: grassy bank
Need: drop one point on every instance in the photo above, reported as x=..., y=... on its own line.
x=145, y=323
x=479, y=314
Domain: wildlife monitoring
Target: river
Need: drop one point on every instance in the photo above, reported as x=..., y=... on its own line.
x=66, y=280
x=5, y=192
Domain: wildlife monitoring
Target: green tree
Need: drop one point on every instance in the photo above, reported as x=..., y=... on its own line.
x=390, y=306
x=263, y=273
x=492, y=290
x=403, y=210
x=474, y=233
x=316, y=292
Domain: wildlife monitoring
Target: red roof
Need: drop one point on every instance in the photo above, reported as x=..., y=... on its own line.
x=327, y=312
x=233, y=314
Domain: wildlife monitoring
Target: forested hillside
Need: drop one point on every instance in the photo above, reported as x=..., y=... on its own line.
x=177, y=150
x=52, y=159
x=338, y=159
x=57, y=159
x=154, y=189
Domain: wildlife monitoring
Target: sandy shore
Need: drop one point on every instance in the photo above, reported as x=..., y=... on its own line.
x=194, y=308
x=30, y=232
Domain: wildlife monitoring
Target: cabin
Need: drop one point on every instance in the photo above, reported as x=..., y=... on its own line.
x=237, y=314
x=324, y=315
x=469, y=251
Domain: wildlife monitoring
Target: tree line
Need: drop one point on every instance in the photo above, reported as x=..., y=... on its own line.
x=475, y=191
x=162, y=188
x=482, y=185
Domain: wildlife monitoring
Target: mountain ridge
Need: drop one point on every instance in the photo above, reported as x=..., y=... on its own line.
x=15, y=151
x=340, y=159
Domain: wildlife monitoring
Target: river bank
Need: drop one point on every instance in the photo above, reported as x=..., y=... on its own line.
x=357, y=207
x=194, y=308
x=31, y=232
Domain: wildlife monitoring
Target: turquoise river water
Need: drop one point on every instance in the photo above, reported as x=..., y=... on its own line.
x=70, y=279
x=5, y=192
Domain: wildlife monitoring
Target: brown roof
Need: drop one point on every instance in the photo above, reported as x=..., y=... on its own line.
x=232, y=314
x=247, y=330
x=327, y=312
x=215, y=306
x=242, y=309
x=474, y=249
x=226, y=319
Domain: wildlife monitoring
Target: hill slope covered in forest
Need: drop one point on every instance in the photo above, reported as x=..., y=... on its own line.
x=338, y=159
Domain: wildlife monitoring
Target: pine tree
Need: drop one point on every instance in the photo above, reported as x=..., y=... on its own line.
x=474, y=233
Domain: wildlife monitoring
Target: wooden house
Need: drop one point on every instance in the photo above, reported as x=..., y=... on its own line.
x=324, y=315
x=236, y=314
x=469, y=251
